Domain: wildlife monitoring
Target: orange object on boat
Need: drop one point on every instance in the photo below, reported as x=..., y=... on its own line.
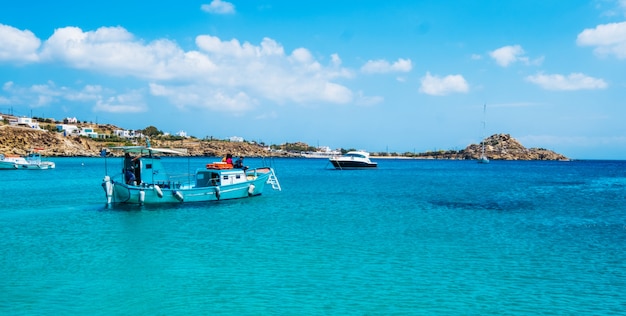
x=219, y=165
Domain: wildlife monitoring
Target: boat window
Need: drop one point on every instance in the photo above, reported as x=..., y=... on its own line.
x=225, y=177
x=148, y=166
x=238, y=176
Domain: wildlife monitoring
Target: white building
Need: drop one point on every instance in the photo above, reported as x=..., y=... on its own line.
x=236, y=139
x=27, y=121
x=67, y=129
x=127, y=133
x=89, y=132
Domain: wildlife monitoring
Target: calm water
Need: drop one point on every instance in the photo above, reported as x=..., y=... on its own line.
x=413, y=237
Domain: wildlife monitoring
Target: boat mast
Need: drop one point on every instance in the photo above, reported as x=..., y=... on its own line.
x=483, y=134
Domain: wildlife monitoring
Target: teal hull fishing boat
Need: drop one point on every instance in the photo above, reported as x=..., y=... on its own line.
x=144, y=180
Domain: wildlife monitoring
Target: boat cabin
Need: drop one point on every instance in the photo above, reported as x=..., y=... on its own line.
x=210, y=177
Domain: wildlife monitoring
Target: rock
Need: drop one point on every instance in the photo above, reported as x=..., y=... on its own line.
x=505, y=147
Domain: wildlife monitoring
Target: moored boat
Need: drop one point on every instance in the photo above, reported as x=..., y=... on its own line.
x=144, y=180
x=357, y=159
x=483, y=158
x=31, y=162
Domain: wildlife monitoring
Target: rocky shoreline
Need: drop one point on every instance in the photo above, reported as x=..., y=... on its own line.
x=21, y=140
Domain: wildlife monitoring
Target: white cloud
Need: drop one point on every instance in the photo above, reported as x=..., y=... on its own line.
x=131, y=102
x=113, y=50
x=609, y=39
x=17, y=45
x=239, y=74
x=88, y=93
x=268, y=72
x=104, y=100
x=434, y=85
x=218, y=7
x=383, y=66
x=504, y=56
x=575, y=81
x=205, y=98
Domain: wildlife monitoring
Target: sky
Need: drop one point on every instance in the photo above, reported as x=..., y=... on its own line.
x=383, y=76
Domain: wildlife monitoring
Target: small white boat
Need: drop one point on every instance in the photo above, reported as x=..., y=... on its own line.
x=322, y=152
x=31, y=162
x=353, y=160
x=147, y=182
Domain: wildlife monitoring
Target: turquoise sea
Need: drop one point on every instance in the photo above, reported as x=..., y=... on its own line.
x=415, y=237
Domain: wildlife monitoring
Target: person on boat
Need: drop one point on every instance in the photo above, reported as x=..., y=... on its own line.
x=239, y=164
x=129, y=161
x=228, y=159
x=131, y=167
x=129, y=176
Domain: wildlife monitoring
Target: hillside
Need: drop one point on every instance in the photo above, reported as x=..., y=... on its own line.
x=21, y=140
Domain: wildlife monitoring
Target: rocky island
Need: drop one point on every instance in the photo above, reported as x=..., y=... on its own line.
x=497, y=147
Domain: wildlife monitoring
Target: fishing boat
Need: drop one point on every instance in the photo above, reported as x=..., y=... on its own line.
x=353, y=160
x=483, y=158
x=144, y=180
x=31, y=162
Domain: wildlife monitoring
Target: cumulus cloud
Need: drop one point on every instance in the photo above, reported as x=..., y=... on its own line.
x=113, y=50
x=383, y=66
x=218, y=7
x=271, y=73
x=240, y=74
x=504, y=56
x=17, y=45
x=608, y=39
x=575, y=81
x=435, y=85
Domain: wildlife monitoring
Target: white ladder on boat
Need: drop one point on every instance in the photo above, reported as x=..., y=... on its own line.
x=273, y=180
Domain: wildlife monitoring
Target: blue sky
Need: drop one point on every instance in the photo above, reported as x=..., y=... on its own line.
x=397, y=76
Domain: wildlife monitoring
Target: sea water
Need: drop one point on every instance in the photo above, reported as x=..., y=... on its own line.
x=414, y=237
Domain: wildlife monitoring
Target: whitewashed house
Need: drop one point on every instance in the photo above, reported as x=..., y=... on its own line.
x=67, y=129
x=89, y=132
x=27, y=121
x=127, y=133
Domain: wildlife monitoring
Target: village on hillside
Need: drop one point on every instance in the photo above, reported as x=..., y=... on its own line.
x=70, y=137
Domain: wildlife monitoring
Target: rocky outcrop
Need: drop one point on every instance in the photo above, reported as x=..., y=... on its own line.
x=21, y=140
x=497, y=147
x=505, y=147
